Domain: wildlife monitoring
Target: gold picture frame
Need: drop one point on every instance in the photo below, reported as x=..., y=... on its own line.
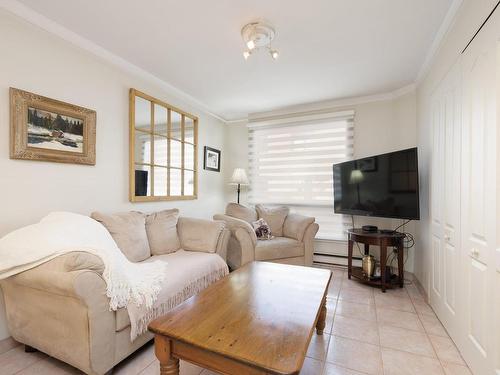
x=46, y=129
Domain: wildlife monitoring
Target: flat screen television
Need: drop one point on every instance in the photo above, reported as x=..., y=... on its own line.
x=382, y=186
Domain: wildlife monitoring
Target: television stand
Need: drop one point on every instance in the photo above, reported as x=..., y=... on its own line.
x=383, y=240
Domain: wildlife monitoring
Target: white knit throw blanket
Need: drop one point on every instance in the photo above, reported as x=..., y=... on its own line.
x=63, y=232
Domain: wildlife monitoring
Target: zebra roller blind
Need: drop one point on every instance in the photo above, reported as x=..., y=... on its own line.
x=291, y=164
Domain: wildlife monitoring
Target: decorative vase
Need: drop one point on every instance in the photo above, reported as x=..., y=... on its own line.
x=368, y=265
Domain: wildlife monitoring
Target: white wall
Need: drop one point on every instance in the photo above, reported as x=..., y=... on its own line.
x=236, y=157
x=468, y=19
x=380, y=126
x=39, y=62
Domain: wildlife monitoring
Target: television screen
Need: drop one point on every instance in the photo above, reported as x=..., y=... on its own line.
x=384, y=186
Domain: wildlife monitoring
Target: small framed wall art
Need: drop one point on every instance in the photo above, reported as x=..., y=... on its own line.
x=46, y=129
x=211, y=160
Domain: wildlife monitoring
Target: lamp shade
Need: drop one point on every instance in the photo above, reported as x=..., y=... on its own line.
x=239, y=177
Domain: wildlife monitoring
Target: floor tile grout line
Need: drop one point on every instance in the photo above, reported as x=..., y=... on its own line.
x=149, y=364
x=427, y=335
x=419, y=317
x=386, y=347
x=346, y=368
x=30, y=365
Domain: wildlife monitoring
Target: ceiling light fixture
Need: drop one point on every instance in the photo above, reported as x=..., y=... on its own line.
x=258, y=35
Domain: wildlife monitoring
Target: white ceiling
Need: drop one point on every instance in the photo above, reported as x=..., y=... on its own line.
x=329, y=49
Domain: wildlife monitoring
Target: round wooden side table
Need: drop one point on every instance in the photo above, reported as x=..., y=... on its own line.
x=383, y=240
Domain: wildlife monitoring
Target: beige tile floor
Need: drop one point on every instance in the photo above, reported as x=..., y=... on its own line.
x=367, y=333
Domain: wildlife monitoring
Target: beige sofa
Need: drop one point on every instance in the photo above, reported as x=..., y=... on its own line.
x=293, y=241
x=61, y=308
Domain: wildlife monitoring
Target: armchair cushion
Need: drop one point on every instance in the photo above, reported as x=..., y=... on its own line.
x=199, y=235
x=128, y=229
x=295, y=226
x=274, y=217
x=161, y=228
x=241, y=212
x=278, y=248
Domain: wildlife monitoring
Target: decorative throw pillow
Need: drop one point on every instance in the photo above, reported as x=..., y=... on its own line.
x=128, y=229
x=262, y=230
x=199, y=235
x=274, y=217
x=161, y=228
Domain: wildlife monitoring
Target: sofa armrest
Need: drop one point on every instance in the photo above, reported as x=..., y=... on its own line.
x=199, y=234
x=308, y=240
x=71, y=275
x=233, y=224
x=222, y=243
x=77, y=325
x=295, y=226
x=242, y=242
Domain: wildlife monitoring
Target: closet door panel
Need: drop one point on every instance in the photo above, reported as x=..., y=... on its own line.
x=479, y=201
x=445, y=220
x=451, y=264
x=436, y=268
x=437, y=186
x=478, y=329
x=496, y=326
x=452, y=152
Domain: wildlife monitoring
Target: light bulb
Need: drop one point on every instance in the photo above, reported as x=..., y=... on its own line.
x=274, y=54
x=251, y=45
x=246, y=54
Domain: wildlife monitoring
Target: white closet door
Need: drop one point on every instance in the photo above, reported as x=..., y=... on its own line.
x=445, y=197
x=479, y=215
x=437, y=193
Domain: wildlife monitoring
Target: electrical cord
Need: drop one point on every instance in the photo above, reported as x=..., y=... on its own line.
x=408, y=243
x=402, y=225
x=357, y=244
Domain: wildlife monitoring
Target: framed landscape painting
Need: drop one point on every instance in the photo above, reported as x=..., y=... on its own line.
x=50, y=130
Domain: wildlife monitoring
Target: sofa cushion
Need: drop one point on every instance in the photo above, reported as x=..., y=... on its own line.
x=182, y=266
x=199, y=234
x=277, y=248
x=128, y=229
x=274, y=217
x=241, y=212
x=161, y=228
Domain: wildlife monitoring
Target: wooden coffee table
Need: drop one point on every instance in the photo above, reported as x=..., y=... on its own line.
x=257, y=320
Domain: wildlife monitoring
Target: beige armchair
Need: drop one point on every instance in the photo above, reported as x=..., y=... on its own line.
x=293, y=241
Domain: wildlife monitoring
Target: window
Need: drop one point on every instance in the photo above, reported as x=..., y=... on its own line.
x=163, y=149
x=291, y=164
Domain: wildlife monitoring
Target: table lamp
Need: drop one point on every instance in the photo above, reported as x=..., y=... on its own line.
x=239, y=178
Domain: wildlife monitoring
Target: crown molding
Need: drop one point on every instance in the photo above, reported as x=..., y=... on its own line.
x=330, y=105
x=22, y=11
x=445, y=27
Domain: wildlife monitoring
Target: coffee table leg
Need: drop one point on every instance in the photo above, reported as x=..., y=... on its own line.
x=169, y=365
x=320, y=324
